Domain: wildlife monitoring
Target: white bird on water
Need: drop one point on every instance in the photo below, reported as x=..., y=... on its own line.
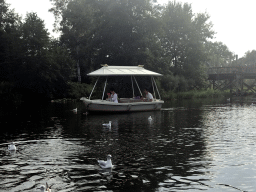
x=106, y=164
x=12, y=147
x=150, y=118
x=107, y=124
x=75, y=110
x=45, y=188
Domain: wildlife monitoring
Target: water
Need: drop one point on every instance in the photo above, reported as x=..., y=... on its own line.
x=205, y=146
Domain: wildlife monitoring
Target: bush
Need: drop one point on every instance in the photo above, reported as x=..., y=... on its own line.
x=169, y=82
x=8, y=93
x=177, y=83
x=195, y=94
x=78, y=90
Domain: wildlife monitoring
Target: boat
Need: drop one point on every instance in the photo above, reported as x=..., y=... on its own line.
x=133, y=104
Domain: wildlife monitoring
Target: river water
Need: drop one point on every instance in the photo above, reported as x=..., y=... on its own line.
x=188, y=146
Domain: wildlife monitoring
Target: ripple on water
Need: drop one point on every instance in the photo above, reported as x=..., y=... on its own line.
x=183, y=149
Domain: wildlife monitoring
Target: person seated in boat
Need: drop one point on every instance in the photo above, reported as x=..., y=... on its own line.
x=113, y=96
x=109, y=98
x=138, y=97
x=149, y=96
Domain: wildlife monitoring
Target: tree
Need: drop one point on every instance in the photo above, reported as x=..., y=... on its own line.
x=184, y=36
x=113, y=32
x=46, y=67
x=61, y=69
x=250, y=58
x=30, y=62
x=218, y=54
x=170, y=40
x=35, y=36
x=35, y=40
x=10, y=46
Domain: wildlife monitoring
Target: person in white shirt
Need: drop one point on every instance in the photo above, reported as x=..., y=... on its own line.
x=113, y=96
x=149, y=96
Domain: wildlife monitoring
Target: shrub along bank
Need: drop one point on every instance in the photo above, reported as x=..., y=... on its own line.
x=209, y=93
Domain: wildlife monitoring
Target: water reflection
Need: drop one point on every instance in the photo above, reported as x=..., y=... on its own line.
x=184, y=148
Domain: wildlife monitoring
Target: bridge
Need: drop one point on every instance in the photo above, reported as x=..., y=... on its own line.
x=241, y=79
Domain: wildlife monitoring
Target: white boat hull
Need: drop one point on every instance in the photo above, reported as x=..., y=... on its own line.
x=126, y=105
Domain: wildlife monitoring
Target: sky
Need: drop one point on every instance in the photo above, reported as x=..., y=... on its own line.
x=233, y=20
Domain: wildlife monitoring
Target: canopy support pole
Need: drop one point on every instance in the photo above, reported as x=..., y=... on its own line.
x=157, y=89
x=132, y=88
x=153, y=87
x=137, y=85
x=93, y=88
x=104, y=88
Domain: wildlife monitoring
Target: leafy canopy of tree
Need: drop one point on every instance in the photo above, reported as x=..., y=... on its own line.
x=170, y=39
x=218, y=55
x=34, y=63
x=248, y=60
x=184, y=35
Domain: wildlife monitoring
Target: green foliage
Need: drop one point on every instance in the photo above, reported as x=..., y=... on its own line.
x=184, y=35
x=35, y=36
x=176, y=83
x=32, y=63
x=171, y=40
x=46, y=66
x=218, y=54
x=113, y=32
x=5, y=87
x=8, y=93
x=10, y=46
x=78, y=90
x=196, y=94
x=131, y=32
x=250, y=58
x=168, y=95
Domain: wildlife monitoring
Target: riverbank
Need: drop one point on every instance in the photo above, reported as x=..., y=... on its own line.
x=10, y=94
x=209, y=93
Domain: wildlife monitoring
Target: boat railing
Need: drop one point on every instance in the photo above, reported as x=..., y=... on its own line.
x=130, y=100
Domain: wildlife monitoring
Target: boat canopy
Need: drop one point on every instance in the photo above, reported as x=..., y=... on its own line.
x=123, y=71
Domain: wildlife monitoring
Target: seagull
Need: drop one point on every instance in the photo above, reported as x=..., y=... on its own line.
x=45, y=188
x=106, y=164
x=107, y=124
x=150, y=118
x=75, y=110
x=12, y=147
